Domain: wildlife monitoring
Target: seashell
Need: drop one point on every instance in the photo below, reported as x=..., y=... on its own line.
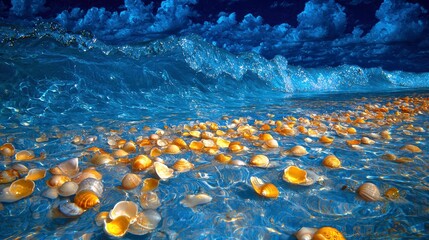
x=120, y=153
x=207, y=135
x=183, y=165
x=259, y=161
x=404, y=160
x=101, y=217
x=328, y=233
x=326, y=139
x=163, y=171
x=180, y=142
x=308, y=140
x=69, y=167
x=8, y=175
x=272, y=143
x=129, y=147
x=141, y=163
x=19, y=189
x=411, y=148
x=131, y=181
x=70, y=209
x=68, y=189
x=155, y=152
x=91, y=184
x=7, y=150
x=51, y=193
x=24, y=155
x=297, y=151
x=195, y=134
x=103, y=158
x=146, y=221
x=392, y=193
x=172, y=149
x=196, y=145
x=389, y=156
x=305, y=233
x=150, y=184
x=366, y=140
x=22, y=169
x=296, y=175
x=222, y=143
x=149, y=200
x=161, y=143
x=331, y=161
x=369, y=192
x=268, y=190
x=235, y=147
x=42, y=138
x=87, y=173
x=36, y=174
x=194, y=200
x=223, y=158
x=57, y=181
x=265, y=136
x=117, y=227
x=86, y=199
x=238, y=163
x=124, y=208
x=386, y=135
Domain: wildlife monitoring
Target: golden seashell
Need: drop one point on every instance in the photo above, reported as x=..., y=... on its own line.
x=22, y=169
x=351, y=130
x=297, y=151
x=265, y=136
x=103, y=158
x=163, y=171
x=195, y=134
x=149, y=200
x=386, y=135
x=404, y=160
x=207, y=135
x=272, y=143
x=161, y=143
x=197, y=199
x=325, y=233
x=86, y=199
x=146, y=221
x=58, y=180
x=180, y=142
x=392, y=193
x=369, y=192
x=353, y=142
x=259, y=161
x=7, y=150
x=183, y=165
x=222, y=143
x=35, y=174
x=124, y=208
x=120, y=153
x=51, y=193
x=24, y=155
x=172, y=149
x=69, y=167
x=88, y=173
x=326, y=139
x=117, y=227
x=223, y=158
x=131, y=181
x=68, y=189
x=155, y=152
x=99, y=219
x=8, y=175
x=235, y=147
x=366, y=140
x=208, y=143
x=389, y=156
x=19, y=189
x=196, y=145
x=150, y=184
x=268, y=190
x=296, y=175
x=129, y=147
x=154, y=136
x=305, y=233
x=411, y=148
x=141, y=163
x=331, y=161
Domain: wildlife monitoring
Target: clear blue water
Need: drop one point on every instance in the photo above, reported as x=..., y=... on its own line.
x=56, y=83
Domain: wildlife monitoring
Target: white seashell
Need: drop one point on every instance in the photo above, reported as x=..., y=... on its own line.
x=163, y=171
x=194, y=200
x=124, y=208
x=69, y=167
x=91, y=184
x=70, y=209
x=305, y=233
x=238, y=163
x=51, y=193
x=149, y=200
x=131, y=181
x=68, y=189
x=146, y=221
x=369, y=192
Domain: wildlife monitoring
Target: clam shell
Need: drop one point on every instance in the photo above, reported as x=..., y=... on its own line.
x=272, y=143
x=149, y=200
x=57, y=181
x=305, y=233
x=172, y=149
x=129, y=147
x=259, y=161
x=369, y=192
x=366, y=140
x=163, y=171
x=411, y=148
x=86, y=199
x=7, y=150
x=24, y=155
x=51, y=193
x=104, y=158
x=146, y=221
x=194, y=200
x=155, y=152
x=101, y=217
x=222, y=158
x=35, y=174
x=124, y=208
x=22, y=169
x=117, y=227
x=392, y=193
x=180, y=142
x=120, y=153
x=92, y=184
x=326, y=139
x=268, y=190
x=87, y=173
x=19, y=189
x=8, y=175
x=328, y=233
x=70, y=209
x=69, y=167
x=196, y=145
x=141, y=163
x=150, y=184
x=297, y=151
x=131, y=181
x=183, y=165
x=331, y=161
x=235, y=147
x=68, y=189
x=296, y=175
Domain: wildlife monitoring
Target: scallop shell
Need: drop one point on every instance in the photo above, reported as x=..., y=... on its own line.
x=24, y=155
x=296, y=175
x=70, y=209
x=297, y=151
x=172, y=149
x=92, y=184
x=268, y=190
x=86, y=199
x=117, y=227
x=411, y=148
x=8, y=175
x=131, y=181
x=36, y=174
x=163, y=171
x=369, y=192
x=68, y=189
x=7, y=150
x=19, y=189
x=150, y=184
x=331, y=161
x=69, y=167
x=149, y=200
x=57, y=181
x=103, y=158
x=305, y=233
x=146, y=221
x=141, y=163
x=259, y=161
x=183, y=165
x=194, y=200
x=124, y=208
x=328, y=233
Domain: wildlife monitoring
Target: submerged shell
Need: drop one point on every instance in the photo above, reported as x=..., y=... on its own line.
x=92, y=184
x=131, y=181
x=163, y=171
x=222, y=158
x=8, y=175
x=124, y=208
x=331, y=161
x=87, y=173
x=268, y=190
x=24, y=155
x=101, y=217
x=57, y=181
x=86, y=199
x=183, y=165
x=149, y=200
x=297, y=151
x=369, y=192
x=328, y=233
x=197, y=199
x=36, y=174
x=22, y=169
x=150, y=184
x=305, y=233
x=68, y=189
x=411, y=148
x=259, y=161
x=117, y=227
x=19, y=189
x=103, y=158
x=392, y=193
x=7, y=150
x=70, y=209
x=141, y=163
x=146, y=221
x=296, y=175
x=69, y=167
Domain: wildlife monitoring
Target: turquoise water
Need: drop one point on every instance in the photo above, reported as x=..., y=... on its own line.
x=65, y=86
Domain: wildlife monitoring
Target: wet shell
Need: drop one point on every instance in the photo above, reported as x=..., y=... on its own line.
x=392, y=193
x=70, y=209
x=19, y=189
x=259, y=161
x=180, y=142
x=120, y=153
x=24, y=155
x=183, y=165
x=297, y=151
x=305, y=233
x=141, y=163
x=87, y=173
x=149, y=200
x=326, y=139
x=366, y=140
x=272, y=143
x=386, y=135
x=103, y=158
x=7, y=150
x=124, y=208
x=92, y=184
x=194, y=200
x=222, y=158
x=57, y=181
x=68, y=189
x=235, y=147
x=129, y=147
x=22, y=169
x=389, y=156
x=411, y=148
x=172, y=149
x=196, y=146
x=163, y=171
x=268, y=190
x=296, y=175
x=328, y=233
x=150, y=184
x=369, y=192
x=51, y=193
x=155, y=152
x=117, y=227
x=146, y=221
x=99, y=219
x=86, y=199
x=35, y=174
x=8, y=175
x=69, y=167
x=331, y=161
x=131, y=181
